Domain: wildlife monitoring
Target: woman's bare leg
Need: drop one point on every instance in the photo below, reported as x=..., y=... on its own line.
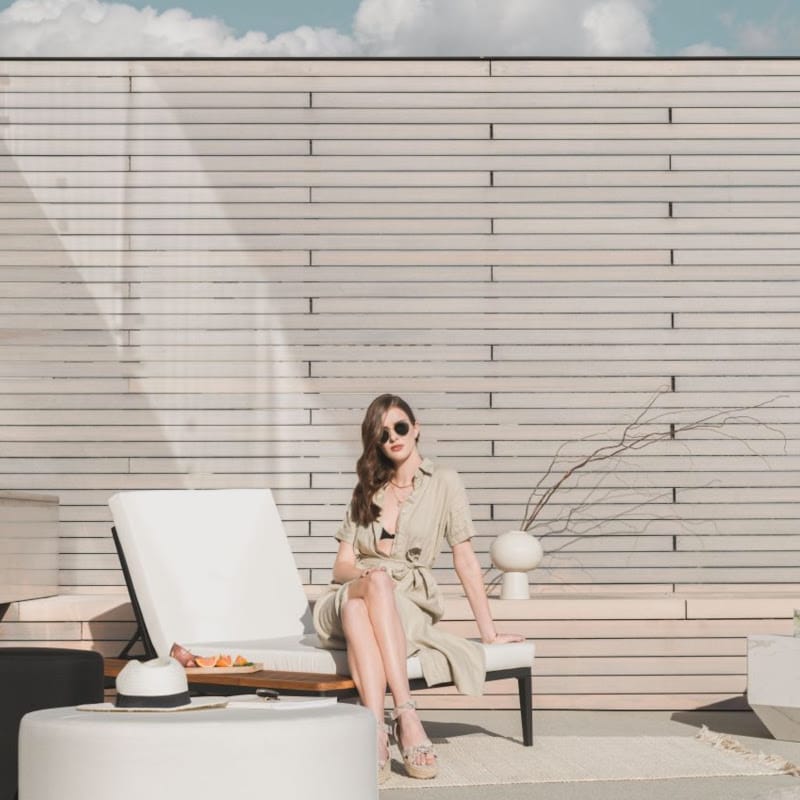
x=364, y=655
x=377, y=592
x=366, y=663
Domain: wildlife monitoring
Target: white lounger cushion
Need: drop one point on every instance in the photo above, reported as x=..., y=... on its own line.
x=302, y=655
x=210, y=565
x=213, y=570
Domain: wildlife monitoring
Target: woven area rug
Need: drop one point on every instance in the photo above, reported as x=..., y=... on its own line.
x=478, y=759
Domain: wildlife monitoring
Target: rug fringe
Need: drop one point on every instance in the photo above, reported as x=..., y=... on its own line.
x=721, y=741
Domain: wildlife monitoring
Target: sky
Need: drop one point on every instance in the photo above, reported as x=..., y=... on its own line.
x=387, y=28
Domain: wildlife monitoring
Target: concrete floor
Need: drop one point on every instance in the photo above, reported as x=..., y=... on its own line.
x=743, y=725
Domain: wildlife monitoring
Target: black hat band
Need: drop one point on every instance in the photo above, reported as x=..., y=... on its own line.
x=153, y=701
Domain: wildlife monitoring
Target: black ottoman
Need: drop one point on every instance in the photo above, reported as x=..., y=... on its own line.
x=40, y=677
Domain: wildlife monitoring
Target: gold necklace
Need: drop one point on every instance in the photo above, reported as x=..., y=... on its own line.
x=398, y=498
x=404, y=486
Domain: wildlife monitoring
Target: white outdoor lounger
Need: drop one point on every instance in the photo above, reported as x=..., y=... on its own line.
x=212, y=569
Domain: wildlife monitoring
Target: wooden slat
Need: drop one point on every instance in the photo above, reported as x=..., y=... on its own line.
x=553, y=101
x=218, y=228
x=101, y=101
x=138, y=121
x=736, y=114
x=568, y=83
x=107, y=79
x=704, y=175
x=639, y=67
x=278, y=213
x=547, y=143
x=635, y=130
x=314, y=67
x=742, y=209
x=493, y=256
x=193, y=175
x=567, y=188
x=20, y=146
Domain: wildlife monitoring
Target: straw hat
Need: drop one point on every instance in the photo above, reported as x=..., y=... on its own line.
x=156, y=685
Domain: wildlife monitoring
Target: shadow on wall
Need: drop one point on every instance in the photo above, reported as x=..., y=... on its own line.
x=111, y=631
x=141, y=345
x=71, y=422
x=221, y=295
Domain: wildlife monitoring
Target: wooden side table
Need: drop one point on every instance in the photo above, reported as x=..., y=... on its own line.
x=246, y=682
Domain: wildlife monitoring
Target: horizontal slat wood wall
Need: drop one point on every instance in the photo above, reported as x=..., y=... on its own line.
x=209, y=268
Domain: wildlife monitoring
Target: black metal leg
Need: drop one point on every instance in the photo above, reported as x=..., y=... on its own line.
x=526, y=708
x=137, y=636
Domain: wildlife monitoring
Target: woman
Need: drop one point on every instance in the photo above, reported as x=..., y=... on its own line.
x=383, y=601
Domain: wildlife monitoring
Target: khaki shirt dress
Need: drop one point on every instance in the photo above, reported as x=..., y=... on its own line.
x=437, y=509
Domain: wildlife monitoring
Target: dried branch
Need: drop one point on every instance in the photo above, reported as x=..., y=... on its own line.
x=632, y=439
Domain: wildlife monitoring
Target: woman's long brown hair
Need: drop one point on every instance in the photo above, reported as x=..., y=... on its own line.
x=373, y=468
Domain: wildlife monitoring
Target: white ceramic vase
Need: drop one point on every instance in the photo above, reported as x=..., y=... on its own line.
x=516, y=553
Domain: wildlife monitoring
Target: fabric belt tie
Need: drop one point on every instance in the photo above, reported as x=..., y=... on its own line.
x=421, y=577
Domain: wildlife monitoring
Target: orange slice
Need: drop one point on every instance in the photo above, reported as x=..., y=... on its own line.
x=240, y=661
x=208, y=661
x=223, y=660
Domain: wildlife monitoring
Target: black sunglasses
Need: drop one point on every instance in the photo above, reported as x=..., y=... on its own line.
x=400, y=428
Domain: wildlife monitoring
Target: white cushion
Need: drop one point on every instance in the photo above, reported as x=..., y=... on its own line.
x=210, y=565
x=287, y=654
x=301, y=654
x=509, y=656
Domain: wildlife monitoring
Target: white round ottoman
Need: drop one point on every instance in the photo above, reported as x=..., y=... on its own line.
x=229, y=753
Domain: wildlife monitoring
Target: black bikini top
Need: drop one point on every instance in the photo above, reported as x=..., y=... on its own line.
x=386, y=535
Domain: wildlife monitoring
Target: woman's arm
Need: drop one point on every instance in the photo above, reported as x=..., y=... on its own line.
x=470, y=574
x=344, y=568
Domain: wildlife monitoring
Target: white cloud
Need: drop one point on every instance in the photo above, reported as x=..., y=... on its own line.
x=761, y=39
x=306, y=41
x=95, y=28
x=703, y=49
x=89, y=28
x=777, y=33
x=617, y=27
x=503, y=27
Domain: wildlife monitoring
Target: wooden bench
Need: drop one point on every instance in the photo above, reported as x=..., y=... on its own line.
x=599, y=650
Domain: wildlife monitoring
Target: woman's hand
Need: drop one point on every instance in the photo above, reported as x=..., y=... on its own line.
x=505, y=638
x=367, y=571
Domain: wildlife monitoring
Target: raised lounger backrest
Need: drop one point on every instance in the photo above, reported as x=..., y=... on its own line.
x=209, y=565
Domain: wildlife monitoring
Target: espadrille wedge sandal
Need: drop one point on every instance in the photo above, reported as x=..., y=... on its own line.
x=414, y=757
